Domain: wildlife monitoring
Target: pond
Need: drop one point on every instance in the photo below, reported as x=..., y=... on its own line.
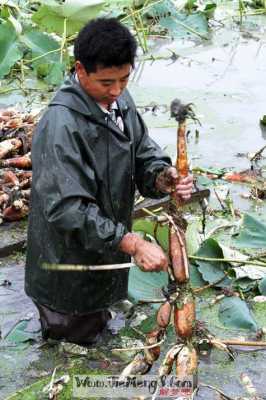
x=225, y=79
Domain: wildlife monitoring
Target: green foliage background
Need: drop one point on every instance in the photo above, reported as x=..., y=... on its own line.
x=38, y=36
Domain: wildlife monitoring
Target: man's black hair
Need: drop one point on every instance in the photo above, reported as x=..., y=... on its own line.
x=105, y=42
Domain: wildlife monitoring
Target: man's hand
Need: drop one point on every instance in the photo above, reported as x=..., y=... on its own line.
x=148, y=256
x=168, y=181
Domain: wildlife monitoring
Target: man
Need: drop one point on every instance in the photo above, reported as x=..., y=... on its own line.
x=89, y=151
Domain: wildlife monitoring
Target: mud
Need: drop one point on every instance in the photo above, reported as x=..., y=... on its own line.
x=12, y=237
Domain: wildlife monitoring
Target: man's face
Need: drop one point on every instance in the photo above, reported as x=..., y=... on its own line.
x=106, y=84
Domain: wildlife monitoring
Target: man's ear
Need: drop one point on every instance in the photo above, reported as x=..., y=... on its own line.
x=80, y=70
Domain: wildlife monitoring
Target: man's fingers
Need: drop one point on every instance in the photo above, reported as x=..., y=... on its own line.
x=181, y=188
x=152, y=267
x=186, y=179
x=183, y=196
x=168, y=181
x=150, y=257
x=186, y=197
x=172, y=172
x=184, y=191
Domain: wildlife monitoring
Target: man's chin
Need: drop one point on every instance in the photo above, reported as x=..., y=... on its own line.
x=107, y=103
x=111, y=101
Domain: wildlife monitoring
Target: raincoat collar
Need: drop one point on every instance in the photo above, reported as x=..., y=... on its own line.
x=74, y=97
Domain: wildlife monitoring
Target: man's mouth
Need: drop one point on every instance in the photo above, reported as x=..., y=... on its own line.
x=112, y=99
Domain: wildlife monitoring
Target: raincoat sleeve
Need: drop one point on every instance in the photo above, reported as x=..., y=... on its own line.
x=150, y=160
x=66, y=186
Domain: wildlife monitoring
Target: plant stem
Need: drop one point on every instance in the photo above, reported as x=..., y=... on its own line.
x=145, y=46
x=63, y=42
x=241, y=8
x=134, y=20
x=156, y=217
x=52, y=381
x=7, y=90
x=258, y=154
x=219, y=199
x=224, y=396
x=258, y=256
x=140, y=347
x=142, y=10
x=217, y=228
x=201, y=289
x=155, y=58
x=41, y=56
x=234, y=342
x=22, y=75
x=229, y=260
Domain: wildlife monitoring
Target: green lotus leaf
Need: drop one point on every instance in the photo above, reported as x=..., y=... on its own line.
x=72, y=14
x=10, y=48
x=235, y=313
x=252, y=234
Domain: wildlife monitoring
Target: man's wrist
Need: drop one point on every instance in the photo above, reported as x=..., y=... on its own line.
x=160, y=180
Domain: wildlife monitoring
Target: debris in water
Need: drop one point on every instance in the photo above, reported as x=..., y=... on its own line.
x=55, y=386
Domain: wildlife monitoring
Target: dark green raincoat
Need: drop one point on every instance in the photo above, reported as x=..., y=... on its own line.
x=84, y=174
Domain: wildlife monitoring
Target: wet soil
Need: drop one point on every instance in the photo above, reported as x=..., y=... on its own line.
x=25, y=362
x=12, y=237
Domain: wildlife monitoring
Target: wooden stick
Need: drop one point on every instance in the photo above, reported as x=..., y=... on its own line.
x=82, y=268
x=109, y=267
x=153, y=301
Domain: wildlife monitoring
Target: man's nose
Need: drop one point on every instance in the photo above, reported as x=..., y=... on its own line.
x=116, y=89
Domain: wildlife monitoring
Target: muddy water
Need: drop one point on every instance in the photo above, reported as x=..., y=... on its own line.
x=226, y=79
